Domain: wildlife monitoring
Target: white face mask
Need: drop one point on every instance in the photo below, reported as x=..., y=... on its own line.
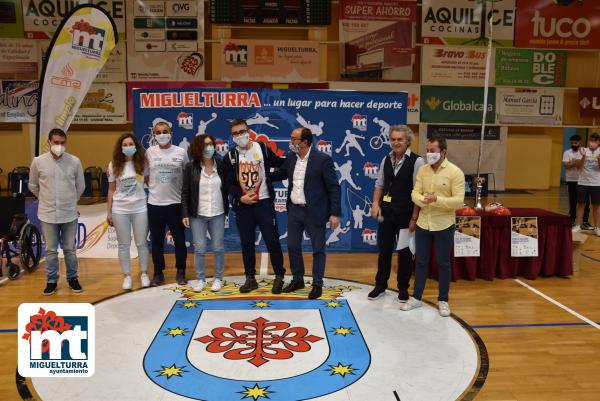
x=433, y=158
x=58, y=150
x=242, y=140
x=163, y=139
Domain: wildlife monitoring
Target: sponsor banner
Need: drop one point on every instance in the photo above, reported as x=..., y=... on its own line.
x=77, y=53
x=269, y=60
x=19, y=56
x=455, y=104
x=41, y=18
x=589, y=102
x=57, y=340
x=11, y=19
x=524, y=237
x=115, y=69
x=445, y=65
x=466, y=22
x=166, y=40
x=18, y=101
x=526, y=67
x=467, y=236
x=558, y=24
x=463, y=149
x=542, y=106
x=95, y=238
x=165, y=85
x=353, y=127
x=413, y=91
x=378, y=38
x=103, y=104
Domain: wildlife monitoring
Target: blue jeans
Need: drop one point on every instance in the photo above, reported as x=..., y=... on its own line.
x=66, y=233
x=123, y=224
x=216, y=227
x=298, y=221
x=444, y=241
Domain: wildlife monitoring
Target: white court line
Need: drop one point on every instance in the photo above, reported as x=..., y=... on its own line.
x=264, y=262
x=571, y=311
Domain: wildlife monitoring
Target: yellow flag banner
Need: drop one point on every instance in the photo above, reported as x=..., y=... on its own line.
x=80, y=47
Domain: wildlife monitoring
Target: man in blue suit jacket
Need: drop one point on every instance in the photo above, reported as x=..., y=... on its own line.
x=314, y=199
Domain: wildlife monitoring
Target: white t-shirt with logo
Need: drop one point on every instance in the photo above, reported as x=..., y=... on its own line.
x=166, y=174
x=129, y=196
x=252, y=171
x=590, y=173
x=571, y=174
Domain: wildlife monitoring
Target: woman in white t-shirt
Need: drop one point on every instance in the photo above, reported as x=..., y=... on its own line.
x=127, y=204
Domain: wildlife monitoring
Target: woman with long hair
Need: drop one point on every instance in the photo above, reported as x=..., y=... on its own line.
x=204, y=206
x=127, y=204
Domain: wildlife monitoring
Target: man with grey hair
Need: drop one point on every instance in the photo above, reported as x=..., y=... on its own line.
x=395, y=210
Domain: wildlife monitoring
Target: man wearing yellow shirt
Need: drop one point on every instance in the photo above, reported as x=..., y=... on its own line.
x=438, y=191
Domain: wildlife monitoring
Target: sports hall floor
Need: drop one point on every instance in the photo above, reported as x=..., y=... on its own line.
x=538, y=348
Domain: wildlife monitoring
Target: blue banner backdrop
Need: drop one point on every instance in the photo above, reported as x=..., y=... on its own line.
x=352, y=127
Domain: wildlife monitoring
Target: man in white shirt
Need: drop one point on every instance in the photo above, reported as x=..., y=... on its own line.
x=314, y=199
x=570, y=156
x=588, y=185
x=56, y=179
x=165, y=164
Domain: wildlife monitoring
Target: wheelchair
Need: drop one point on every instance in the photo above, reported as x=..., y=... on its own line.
x=18, y=237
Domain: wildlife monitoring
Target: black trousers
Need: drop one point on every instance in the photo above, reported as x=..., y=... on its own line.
x=261, y=214
x=386, y=241
x=572, y=187
x=158, y=218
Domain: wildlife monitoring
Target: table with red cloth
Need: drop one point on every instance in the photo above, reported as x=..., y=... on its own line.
x=555, y=249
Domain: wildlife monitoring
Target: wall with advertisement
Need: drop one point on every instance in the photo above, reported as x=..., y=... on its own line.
x=558, y=25
x=270, y=60
x=352, y=127
x=527, y=67
x=378, y=38
x=454, y=65
x=465, y=22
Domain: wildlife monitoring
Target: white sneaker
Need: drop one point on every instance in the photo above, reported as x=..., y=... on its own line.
x=444, y=308
x=597, y=231
x=127, y=282
x=199, y=286
x=217, y=285
x=145, y=280
x=412, y=303
x=576, y=228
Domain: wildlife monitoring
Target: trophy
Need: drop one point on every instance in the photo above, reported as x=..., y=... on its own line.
x=479, y=186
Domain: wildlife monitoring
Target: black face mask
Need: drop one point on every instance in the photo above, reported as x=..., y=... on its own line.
x=574, y=147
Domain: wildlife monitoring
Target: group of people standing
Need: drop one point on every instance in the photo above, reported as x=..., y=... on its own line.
x=412, y=195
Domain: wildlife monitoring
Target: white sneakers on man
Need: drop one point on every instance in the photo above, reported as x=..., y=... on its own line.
x=444, y=308
x=145, y=280
x=199, y=286
x=127, y=282
x=216, y=285
x=412, y=303
x=576, y=228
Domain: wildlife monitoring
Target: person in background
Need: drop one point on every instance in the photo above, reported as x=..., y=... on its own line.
x=395, y=210
x=438, y=191
x=165, y=166
x=247, y=168
x=204, y=205
x=56, y=179
x=570, y=156
x=314, y=199
x=127, y=204
x=588, y=185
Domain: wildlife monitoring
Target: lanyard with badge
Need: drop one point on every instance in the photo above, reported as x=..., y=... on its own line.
x=387, y=198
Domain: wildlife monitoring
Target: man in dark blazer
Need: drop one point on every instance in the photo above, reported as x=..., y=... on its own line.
x=314, y=199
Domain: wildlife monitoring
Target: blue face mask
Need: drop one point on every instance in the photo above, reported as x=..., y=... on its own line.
x=129, y=150
x=208, y=152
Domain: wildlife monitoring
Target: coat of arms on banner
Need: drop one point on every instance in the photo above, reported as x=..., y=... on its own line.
x=225, y=346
